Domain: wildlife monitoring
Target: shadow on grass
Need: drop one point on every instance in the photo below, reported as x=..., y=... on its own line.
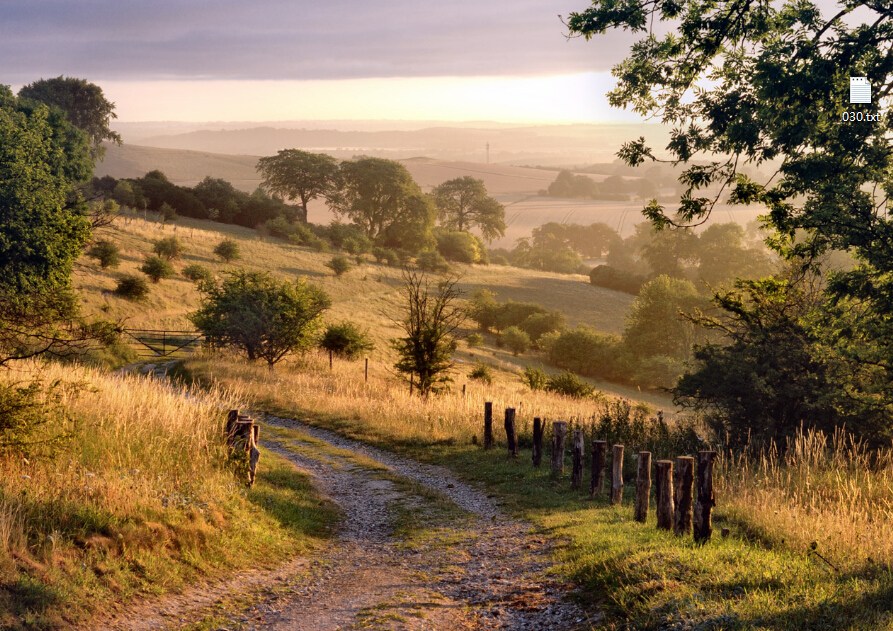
x=28, y=599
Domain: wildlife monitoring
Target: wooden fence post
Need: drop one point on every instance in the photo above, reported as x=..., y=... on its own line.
x=537, y=441
x=330, y=360
x=599, y=458
x=617, y=475
x=577, y=471
x=366, y=371
x=463, y=390
x=231, y=420
x=643, y=486
x=664, y=479
x=488, y=425
x=511, y=435
x=703, y=527
x=683, y=481
x=559, y=432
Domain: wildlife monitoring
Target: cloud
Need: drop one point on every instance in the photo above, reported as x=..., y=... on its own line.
x=288, y=39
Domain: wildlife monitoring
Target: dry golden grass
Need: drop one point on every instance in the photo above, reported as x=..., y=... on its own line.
x=827, y=490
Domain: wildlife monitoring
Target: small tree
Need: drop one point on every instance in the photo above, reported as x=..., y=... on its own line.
x=156, y=268
x=170, y=248
x=198, y=273
x=339, y=264
x=346, y=340
x=228, y=250
x=106, y=252
x=132, y=287
x=261, y=315
x=516, y=340
x=432, y=317
x=168, y=212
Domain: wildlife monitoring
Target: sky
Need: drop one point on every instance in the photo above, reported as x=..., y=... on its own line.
x=220, y=60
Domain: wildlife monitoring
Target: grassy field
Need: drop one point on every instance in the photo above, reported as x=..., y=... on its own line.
x=823, y=495
x=138, y=499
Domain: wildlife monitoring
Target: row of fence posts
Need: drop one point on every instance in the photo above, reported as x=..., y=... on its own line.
x=678, y=507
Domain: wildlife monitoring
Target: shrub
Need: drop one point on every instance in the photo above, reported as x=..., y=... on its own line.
x=534, y=378
x=339, y=264
x=460, y=246
x=33, y=416
x=106, y=252
x=431, y=261
x=168, y=212
x=157, y=268
x=346, y=340
x=539, y=324
x=474, y=340
x=132, y=287
x=616, y=279
x=570, y=385
x=482, y=373
x=516, y=340
x=265, y=317
x=282, y=228
x=386, y=256
x=356, y=245
x=198, y=273
x=228, y=250
x=170, y=248
x=584, y=350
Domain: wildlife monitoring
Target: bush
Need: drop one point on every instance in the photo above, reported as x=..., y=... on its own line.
x=482, y=373
x=198, y=273
x=516, y=340
x=339, y=264
x=462, y=247
x=168, y=212
x=386, y=256
x=106, y=252
x=570, y=385
x=132, y=287
x=170, y=248
x=228, y=250
x=33, y=416
x=157, y=268
x=585, y=351
x=431, y=261
x=539, y=324
x=534, y=378
x=346, y=340
x=356, y=245
x=616, y=279
x=474, y=340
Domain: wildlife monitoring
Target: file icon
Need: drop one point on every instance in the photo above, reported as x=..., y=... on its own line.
x=860, y=90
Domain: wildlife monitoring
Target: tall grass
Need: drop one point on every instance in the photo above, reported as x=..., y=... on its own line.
x=830, y=492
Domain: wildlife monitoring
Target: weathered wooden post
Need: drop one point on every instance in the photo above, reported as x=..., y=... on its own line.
x=511, y=435
x=463, y=390
x=253, y=453
x=664, y=493
x=617, y=475
x=231, y=419
x=366, y=371
x=599, y=459
x=643, y=486
x=683, y=482
x=703, y=527
x=330, y=360
x=559, y=432
x=577, y=471
x=537, y=441
x=488, y=425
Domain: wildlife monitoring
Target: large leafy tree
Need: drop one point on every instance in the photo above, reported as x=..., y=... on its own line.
x=463, y=203
x=262, y=316
x=300, y=175
x=381, y=197
x=84, y=104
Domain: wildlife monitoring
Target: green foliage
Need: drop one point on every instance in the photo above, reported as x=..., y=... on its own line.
x=569, y=385
x=167, y=212
x=33, y=417
x=132, y=287
x=462, y=247
x=347, y=340
x=482, y=373
x=198, y=273
x=586, y=351
x=531, y=318
x=474, y=340
x=534, y=378
x=431, y=261
x=228, y=250
x=516, y=340
x=616, y=279
x=260, y=315
x=340, y=265
x=547, y=256
x=656, y=324
x=538, y=324
x=432, y=316
x=299, y=175
x=83, y=103
x=169, y=248
x=386, y=256
x=106, y=252
x=157, y=268
x=462, y=203
x=381, y=198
